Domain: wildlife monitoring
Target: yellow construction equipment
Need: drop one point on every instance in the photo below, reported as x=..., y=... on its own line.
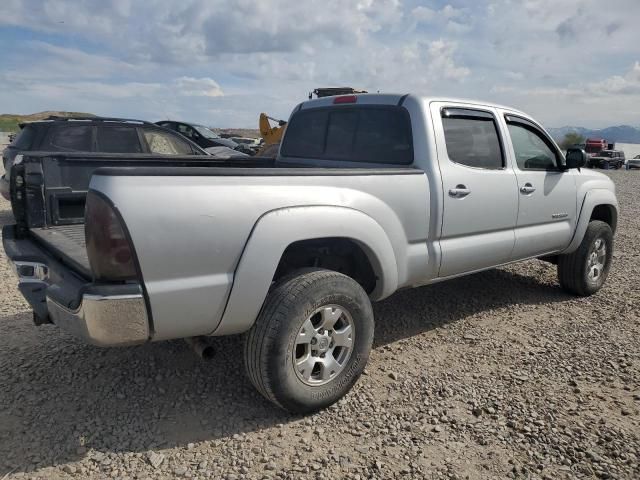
x=271, y=135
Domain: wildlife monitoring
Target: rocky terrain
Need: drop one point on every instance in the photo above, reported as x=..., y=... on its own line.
x=496, y=375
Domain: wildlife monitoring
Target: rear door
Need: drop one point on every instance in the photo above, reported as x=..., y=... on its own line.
x=479, y=187
x=547, y=194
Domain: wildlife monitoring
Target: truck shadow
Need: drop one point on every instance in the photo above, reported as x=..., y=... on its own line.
x=414, y=311
x=63, y=401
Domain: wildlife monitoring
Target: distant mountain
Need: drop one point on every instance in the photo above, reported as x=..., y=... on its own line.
x=621, y=133
x=9, y=121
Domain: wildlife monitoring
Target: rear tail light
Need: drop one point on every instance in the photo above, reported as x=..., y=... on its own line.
x=108, y=246
x=345, y=99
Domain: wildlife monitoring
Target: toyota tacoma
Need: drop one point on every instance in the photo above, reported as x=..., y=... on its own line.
x=369, y=194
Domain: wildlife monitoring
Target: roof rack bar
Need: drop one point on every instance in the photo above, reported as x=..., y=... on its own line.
x=97, y=119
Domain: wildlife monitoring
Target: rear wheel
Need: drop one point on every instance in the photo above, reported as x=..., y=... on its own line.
x=584, y=271
x=311, y=340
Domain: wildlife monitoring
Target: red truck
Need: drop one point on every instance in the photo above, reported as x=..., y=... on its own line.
x=593, y=146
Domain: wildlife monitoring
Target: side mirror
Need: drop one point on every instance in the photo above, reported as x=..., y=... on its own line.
x=576, y=158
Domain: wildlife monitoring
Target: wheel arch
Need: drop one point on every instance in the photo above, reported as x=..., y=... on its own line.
x=598, y=204
x=277, y=231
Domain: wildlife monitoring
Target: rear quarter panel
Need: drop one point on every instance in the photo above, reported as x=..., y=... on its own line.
x=189, y=232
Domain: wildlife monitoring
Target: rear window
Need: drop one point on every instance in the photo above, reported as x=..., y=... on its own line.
x=355, y=134
x=118, y=140
x=69, y=138
x=24, y=139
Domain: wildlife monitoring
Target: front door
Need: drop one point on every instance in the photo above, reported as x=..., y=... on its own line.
x=480, y=201
x=547, y=194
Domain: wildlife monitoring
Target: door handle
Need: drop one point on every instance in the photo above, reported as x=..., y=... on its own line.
x=527, y=188
x=460, y=191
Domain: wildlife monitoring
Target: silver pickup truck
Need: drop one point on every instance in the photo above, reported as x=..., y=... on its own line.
x=369, y=194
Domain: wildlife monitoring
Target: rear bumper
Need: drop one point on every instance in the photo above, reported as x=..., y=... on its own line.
x=100, y=314
x=104, y=320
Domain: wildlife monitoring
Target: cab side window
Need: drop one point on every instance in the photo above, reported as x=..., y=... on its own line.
x=165, y=144
x=113, y=139
x=70, y=138
x=472, y=138
x=532, y=150
x=187, y=131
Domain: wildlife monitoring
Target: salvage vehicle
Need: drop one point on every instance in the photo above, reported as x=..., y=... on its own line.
x=369, y=194
x=93, y=134
x=607, y=159
x=595, y=146
x=199, y=134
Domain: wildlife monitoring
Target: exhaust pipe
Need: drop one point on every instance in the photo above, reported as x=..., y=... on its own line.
x=201, y=347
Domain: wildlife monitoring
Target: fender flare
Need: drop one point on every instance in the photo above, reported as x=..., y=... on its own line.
x=275, y=231
x=592, y=199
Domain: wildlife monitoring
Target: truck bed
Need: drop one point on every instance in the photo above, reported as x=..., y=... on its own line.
x=66, y=242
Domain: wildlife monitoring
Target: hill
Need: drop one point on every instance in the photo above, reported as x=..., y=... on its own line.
x=9, y=121
x=618, y=134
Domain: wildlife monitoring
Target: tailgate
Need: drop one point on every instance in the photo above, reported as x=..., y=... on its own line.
x=67, y=243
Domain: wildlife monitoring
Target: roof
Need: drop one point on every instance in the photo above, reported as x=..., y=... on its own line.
x=394, y=98
x=89, y=119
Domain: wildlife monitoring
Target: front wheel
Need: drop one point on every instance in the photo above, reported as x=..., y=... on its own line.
x=311, y=341
x=584, y=271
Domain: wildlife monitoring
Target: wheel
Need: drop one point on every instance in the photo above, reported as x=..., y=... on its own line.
x=311, y=341
x=584, y=271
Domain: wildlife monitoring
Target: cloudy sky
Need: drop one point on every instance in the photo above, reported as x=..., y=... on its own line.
x=222, y=62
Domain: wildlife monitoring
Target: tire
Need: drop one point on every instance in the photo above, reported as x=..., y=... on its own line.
x=277, y=341
x=574, y=268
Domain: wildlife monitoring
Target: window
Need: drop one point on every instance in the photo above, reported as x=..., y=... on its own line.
x=532, y=150
x=186, y=130
x=341, y=130
x=118, y=140
x=24, y=139
x=472, y=139
x=356, y=134
x=69, y=138
x=164, y=143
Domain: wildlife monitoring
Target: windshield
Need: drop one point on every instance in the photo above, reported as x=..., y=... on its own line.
x=205, y=132
x=591, y=148
x=606, y=154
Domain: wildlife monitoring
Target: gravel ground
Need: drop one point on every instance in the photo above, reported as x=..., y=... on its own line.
x=497, y=375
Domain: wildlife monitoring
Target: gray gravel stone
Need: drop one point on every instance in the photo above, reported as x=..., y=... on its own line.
x=496, y=375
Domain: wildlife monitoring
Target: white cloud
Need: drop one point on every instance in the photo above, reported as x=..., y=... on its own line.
x=423, y=14
x=198, y=87
x=455, y=20
x=217, y=59
x=628, y=84
x=441, y=57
